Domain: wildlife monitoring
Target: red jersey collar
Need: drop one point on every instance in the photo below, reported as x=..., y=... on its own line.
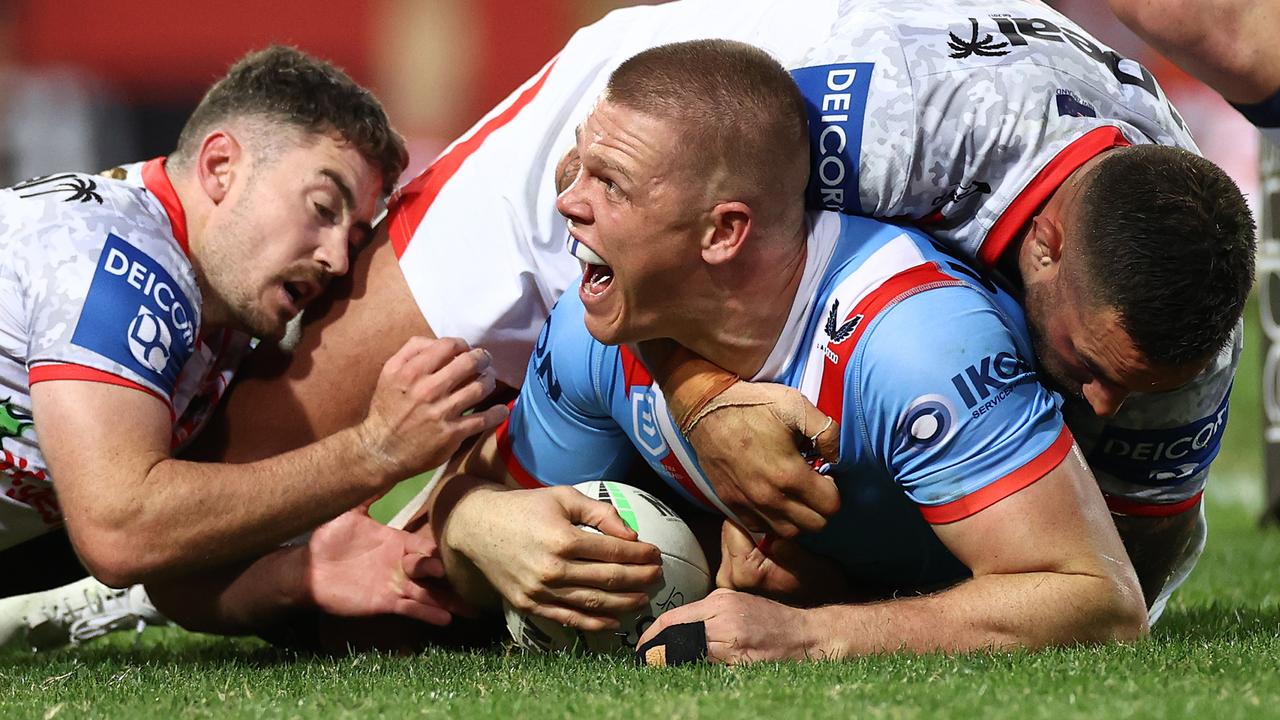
x=1045, y=183
x=157, y=181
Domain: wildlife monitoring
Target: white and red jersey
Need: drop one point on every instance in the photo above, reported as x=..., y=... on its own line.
x=962, y=116
x=96, y=285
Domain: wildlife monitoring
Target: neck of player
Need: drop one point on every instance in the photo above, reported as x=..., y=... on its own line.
x=739, y=314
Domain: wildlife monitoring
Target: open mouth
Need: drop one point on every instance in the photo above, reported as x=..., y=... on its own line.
x=596, y=273
x=296, y=292
x=299, y=293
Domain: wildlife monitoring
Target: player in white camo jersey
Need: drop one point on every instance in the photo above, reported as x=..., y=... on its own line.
x=978, y=120
x=127, y=300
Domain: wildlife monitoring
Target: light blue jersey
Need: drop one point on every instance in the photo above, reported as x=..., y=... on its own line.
x=928, y=368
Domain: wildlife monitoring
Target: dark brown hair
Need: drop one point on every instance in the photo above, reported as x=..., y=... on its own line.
x=285, y=85
x=1168, y=242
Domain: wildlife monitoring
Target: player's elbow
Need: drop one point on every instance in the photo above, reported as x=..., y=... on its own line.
x=120, y=558
x=1119, y=611
x=110, y=567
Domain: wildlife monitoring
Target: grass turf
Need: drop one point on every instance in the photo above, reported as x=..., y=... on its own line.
x=1214, y=654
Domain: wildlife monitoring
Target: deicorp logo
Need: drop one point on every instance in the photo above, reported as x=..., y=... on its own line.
x=836, y=99
x=136, y=315
x=1168, y=456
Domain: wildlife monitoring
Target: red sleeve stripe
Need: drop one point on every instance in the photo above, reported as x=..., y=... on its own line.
x=69, y=371
x=508, y=455
x=985, y=497
x=1048, y=180
x=899, y=287
x=1125, y=506
x=412, y=201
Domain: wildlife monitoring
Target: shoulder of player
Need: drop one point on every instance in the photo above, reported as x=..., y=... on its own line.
x=937, y=330
x=82, y=203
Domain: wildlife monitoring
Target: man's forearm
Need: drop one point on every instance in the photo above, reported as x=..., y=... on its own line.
x=1027, y=610
x=464, y=577
x=1226, y=44
x=231, y=511
x=260, y=597
x=689, y=382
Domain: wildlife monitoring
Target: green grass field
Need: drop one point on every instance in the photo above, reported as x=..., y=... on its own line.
x=1214, y=655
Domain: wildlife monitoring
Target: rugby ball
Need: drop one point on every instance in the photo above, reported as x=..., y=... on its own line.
x=685, y=577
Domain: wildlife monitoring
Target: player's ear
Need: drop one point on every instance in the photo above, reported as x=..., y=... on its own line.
x=730, y=225
x=219, y=155
x=1044, y=246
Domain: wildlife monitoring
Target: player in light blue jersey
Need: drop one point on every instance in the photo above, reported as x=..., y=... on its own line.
x=929, y=371
x=954, y=462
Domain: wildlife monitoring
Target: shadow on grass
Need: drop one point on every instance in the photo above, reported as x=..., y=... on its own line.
x=1219, y=622
x=156, y=647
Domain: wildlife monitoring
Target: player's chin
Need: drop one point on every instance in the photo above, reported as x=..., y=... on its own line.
x=268, y=323
x=606, y=328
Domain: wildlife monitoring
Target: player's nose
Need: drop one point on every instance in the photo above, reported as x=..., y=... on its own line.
x=334, y=253
x=1104, y=400
x=571, y=204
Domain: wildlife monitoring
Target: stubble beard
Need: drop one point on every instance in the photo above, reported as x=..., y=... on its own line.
x=227, y=280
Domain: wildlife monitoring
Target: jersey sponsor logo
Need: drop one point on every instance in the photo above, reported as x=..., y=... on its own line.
x=949, y=209
x=928, y=421
x=836, y=99
x=1022, y=31
x=1168, y=456
x=985, y=384
x=962, y=48
x=150, y=340
x=136, y=315
x=961, y=191
x=837, y=332
x=77, y=188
